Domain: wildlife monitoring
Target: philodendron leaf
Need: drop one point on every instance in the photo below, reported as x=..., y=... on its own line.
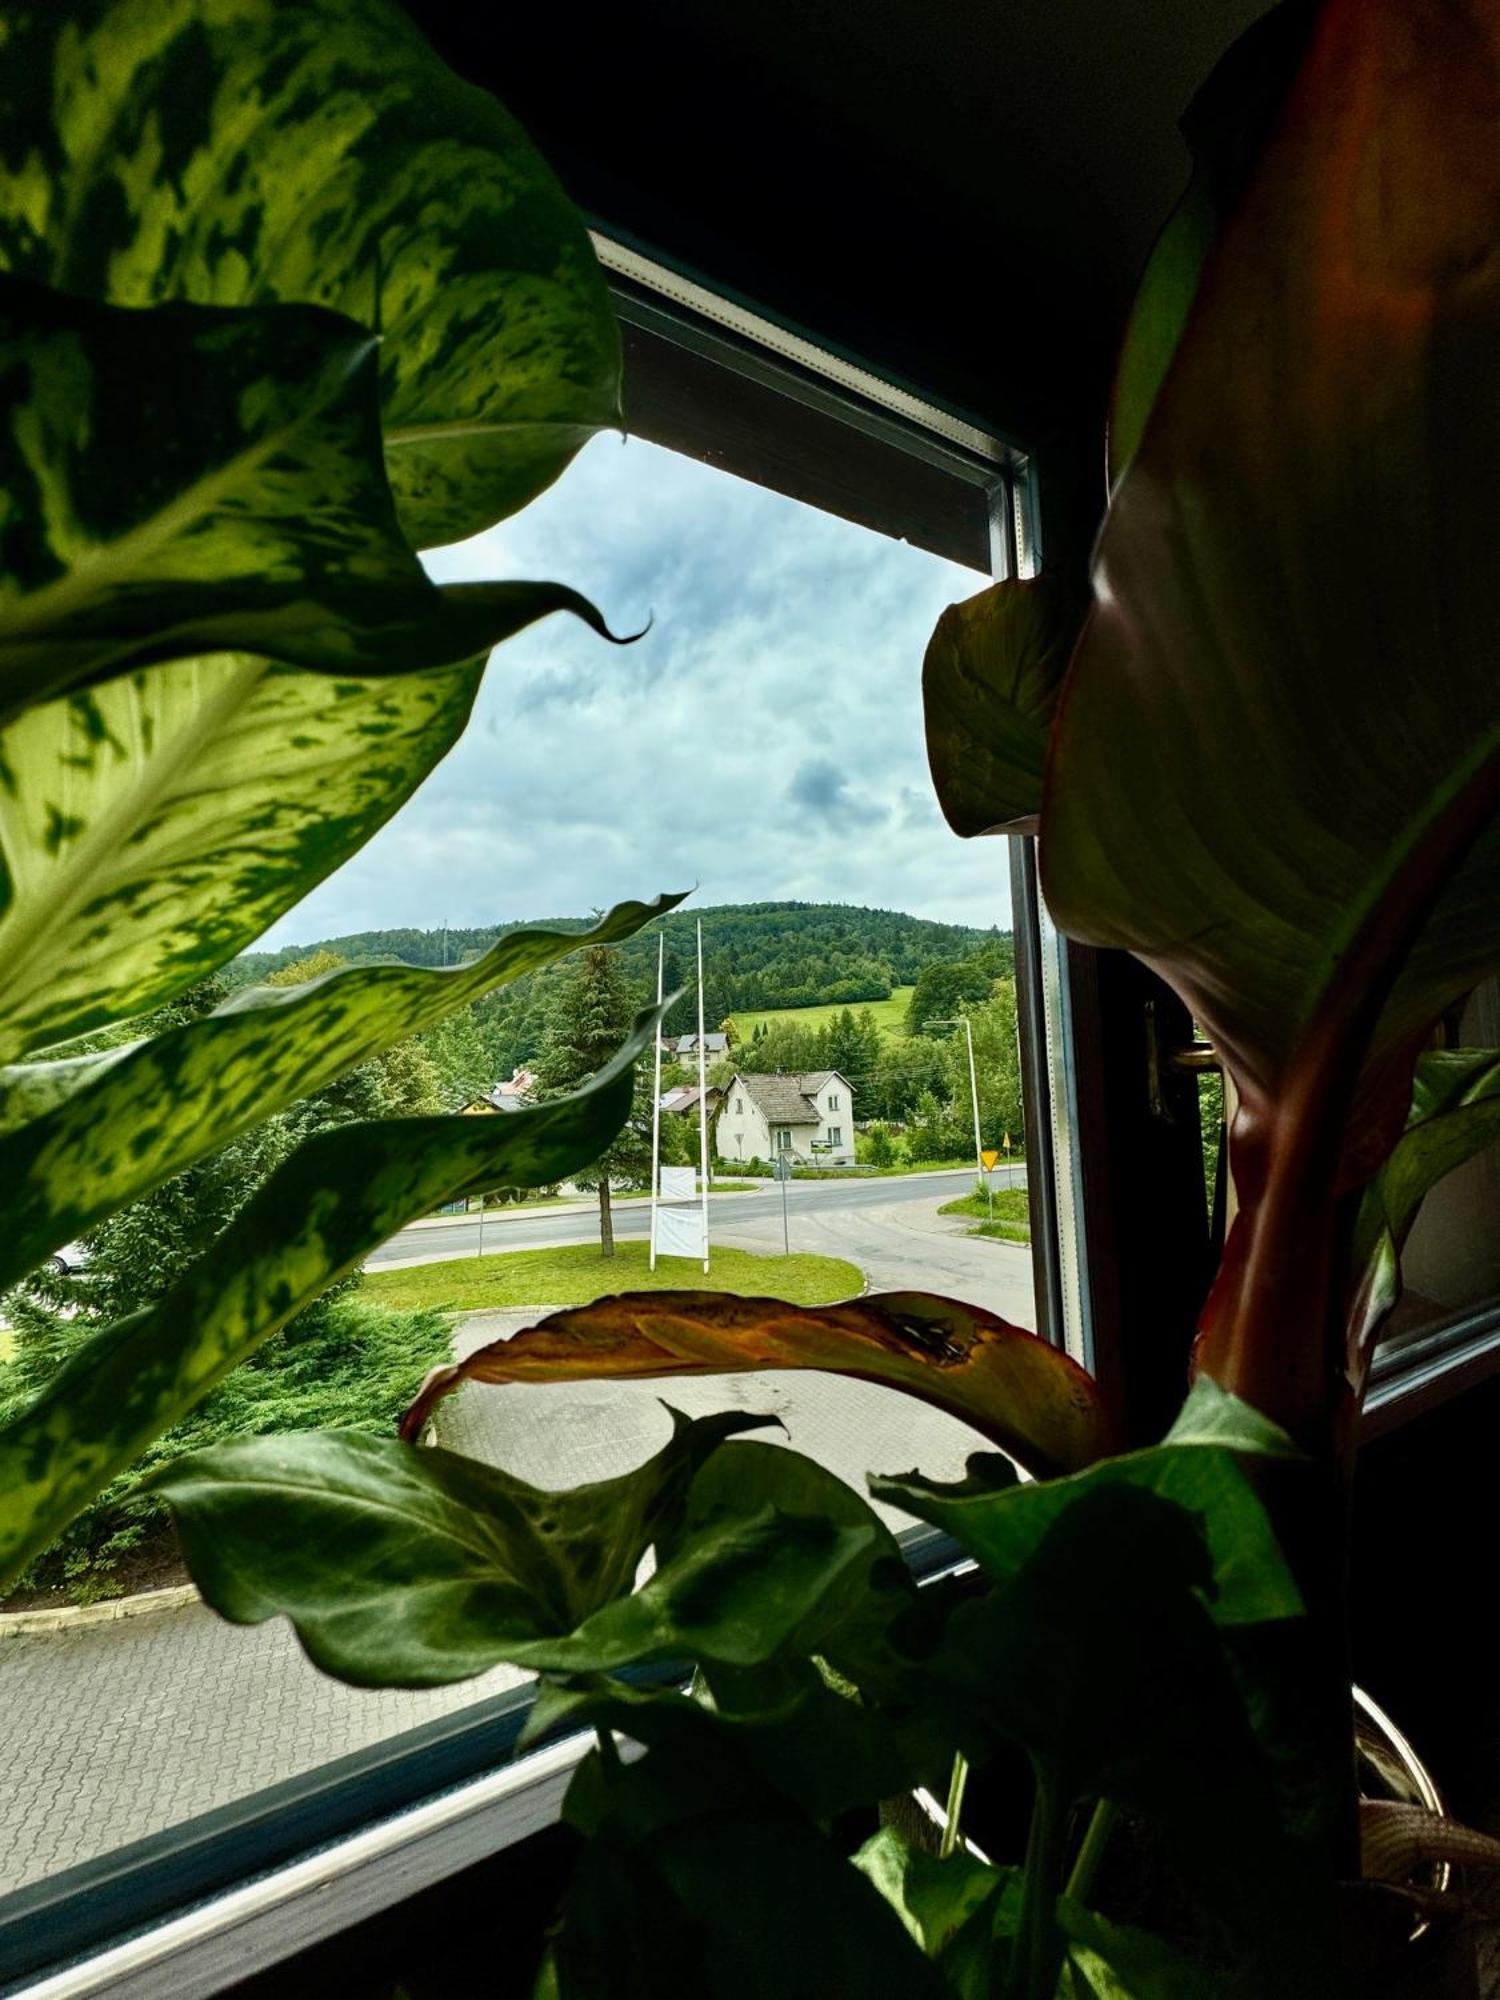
x=990, y=683
x=822, y=1751
x=1108, y=1961
x=955, y=1909
x=1212, y=1416
x=404, y=1567
x=318, y=1215
x=1015, y=1389
x=1455, y=1113
x=1097, y=1654
x=1276, y=763
x=407, y=1568
x=184, y=480
x=152, y=827
x=118, y=1124
x=1249, y=1580
x=701, y=1874
x=256, y=153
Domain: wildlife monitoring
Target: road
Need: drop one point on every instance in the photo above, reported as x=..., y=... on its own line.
x=545, y=1228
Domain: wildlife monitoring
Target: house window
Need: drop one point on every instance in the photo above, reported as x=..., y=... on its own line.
x=833, y=1101
x=739, y=1107
x=783, y=1139
x=835, y=1136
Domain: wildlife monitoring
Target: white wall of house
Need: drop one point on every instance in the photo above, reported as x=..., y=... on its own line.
x=743, y=1133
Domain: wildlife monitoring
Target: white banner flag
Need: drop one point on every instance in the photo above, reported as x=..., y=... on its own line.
x=680, y=1231
x=679, y=1183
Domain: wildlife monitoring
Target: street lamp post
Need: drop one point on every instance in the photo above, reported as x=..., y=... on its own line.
x=962, y=1021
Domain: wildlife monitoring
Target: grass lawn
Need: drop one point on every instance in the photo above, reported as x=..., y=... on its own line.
x=577, y=1274
x=890, y=1015
x=1012, y=1223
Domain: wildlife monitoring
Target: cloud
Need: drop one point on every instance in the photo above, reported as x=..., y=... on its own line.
x=763, y=739
x=821, y=789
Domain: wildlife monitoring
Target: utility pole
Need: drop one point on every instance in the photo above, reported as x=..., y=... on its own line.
x=661, y=969
x=962, y=1021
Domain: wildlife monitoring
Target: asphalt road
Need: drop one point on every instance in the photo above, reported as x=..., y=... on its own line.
x=544, y=1228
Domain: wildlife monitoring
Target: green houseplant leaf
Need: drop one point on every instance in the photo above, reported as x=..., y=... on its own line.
x=324, y=1209
x=1026, y=1396
x=699, y=1861
x=1001, y=1526
x=322, y=155
x=403, y=1567
x=183, y=479
x=120, y=1123
x=1320, y=405
x=990, y=681
x=152, y=827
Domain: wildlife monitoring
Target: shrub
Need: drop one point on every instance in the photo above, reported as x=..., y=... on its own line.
x=348, y=1364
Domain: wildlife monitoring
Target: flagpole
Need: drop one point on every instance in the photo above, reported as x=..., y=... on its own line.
x=702, y=1099
x=661, y=962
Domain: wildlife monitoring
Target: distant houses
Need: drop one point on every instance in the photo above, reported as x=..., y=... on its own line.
x=682, y=1100
x=507, y=1096
x=684, y=1048
x=808, y=1114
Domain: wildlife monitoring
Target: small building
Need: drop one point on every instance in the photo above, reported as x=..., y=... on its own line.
x=682, y=1100
x=511, y=1095
x=684, y=1048
x=808, y=1114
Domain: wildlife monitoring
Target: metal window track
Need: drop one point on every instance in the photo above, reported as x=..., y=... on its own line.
x=197, y=1954
x=702, y=304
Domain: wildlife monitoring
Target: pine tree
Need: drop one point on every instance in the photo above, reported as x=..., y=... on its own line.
x=593, y=1009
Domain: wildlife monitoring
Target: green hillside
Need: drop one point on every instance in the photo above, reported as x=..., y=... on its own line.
x=758, y=957
x=890, y=1015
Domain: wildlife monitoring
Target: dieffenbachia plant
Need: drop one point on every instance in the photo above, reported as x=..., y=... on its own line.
x=281, y=303
x=1265, y=758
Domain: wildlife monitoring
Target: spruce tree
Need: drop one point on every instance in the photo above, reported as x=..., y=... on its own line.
x=593, y=1008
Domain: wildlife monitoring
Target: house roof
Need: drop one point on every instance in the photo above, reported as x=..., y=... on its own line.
x=684, y=1096
x=779, y=1096
x=715, y=1041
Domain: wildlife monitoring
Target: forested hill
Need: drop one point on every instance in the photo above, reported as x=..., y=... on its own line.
x=756, y=955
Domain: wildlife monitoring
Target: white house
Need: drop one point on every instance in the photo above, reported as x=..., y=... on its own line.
x=810, y=1115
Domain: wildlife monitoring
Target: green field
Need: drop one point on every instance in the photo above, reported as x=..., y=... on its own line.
x=577, y=1274
x=890, y=1015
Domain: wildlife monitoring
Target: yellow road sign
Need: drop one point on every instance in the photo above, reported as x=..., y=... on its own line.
x=990, y=1158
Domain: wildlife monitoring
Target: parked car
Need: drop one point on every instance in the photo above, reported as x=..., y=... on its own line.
x=70, y=1260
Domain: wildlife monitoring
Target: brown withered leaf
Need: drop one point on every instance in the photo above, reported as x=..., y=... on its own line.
x=1025, y=1396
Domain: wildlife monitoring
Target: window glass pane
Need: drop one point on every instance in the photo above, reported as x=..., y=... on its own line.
x=1451, y=1261
x=763, y=741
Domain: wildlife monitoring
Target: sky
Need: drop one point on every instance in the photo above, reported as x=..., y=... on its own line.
x=762, y=741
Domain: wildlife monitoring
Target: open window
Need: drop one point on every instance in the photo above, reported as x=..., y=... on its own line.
x=829, y=514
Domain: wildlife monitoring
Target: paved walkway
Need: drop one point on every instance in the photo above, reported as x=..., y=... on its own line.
x=115, y=1731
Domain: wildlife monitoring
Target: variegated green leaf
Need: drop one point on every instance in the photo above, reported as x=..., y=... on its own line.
x=134, y=1116
x=182, y=480
x=239, y=152
x=151, y=827
x=338, y=1196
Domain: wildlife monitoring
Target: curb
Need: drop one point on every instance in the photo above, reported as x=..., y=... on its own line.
x=74, y=1617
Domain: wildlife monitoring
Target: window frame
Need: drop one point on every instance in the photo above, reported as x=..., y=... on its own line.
x=244, y=1886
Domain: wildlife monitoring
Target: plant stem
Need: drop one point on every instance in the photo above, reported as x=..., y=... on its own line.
x=1033, y=1966
x=956, y=1785
x=1100, y=1827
